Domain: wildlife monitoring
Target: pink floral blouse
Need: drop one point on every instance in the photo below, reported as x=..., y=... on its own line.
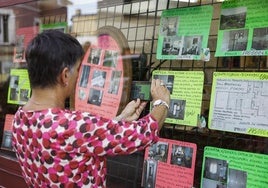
x=63, y=148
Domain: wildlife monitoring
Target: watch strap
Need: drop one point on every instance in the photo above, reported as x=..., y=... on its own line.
x=160, y=102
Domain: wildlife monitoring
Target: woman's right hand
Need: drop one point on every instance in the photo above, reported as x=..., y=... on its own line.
x=159, y=91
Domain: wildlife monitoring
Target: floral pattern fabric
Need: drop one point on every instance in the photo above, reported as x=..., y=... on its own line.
x=64, y=148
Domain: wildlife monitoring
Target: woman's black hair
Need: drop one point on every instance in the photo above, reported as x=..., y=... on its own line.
x=48, y=53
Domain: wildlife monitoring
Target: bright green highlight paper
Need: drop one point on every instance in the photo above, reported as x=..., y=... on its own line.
x=243, y=29
x=239, y=102
x=186, y=89
x=19, y=87
x=231, y=168
x=183, y=33
x=61, y=26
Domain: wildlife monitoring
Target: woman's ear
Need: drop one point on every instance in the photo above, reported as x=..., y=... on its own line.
x=64, y=78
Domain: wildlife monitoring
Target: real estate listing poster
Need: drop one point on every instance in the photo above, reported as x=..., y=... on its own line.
x=233, y=169
x=7, y=134
x=169, y=164
x=103, y=78
x=183, y=33
x=243, y=28
x=239, y=102
x=186, y=90
x=19, y=87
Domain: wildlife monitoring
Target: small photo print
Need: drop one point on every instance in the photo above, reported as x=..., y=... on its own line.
x=192, y=45
x=169, y=26
x=217, y=173
x=19, y=55
x=110, y=58
x=115, y=82
x=158, y=151
x=177, y=109
x=260, y=39
x=235, y=40
x=84, y=76
x=95, y=97
x=14, y=88
x=172, y=46
x=233, y=18
x=182, y=156
x=94, y=56
x=24, y=93
x=149, y=173
x=168, y=81
x=98, y=79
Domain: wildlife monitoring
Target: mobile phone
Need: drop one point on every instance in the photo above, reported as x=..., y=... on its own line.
x=141, y=90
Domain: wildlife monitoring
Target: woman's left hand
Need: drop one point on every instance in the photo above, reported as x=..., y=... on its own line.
x=132, y=111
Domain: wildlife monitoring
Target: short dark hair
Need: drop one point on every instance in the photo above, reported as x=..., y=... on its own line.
x=48, y=53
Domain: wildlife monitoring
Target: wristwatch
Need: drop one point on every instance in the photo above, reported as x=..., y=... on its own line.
x=160, y=102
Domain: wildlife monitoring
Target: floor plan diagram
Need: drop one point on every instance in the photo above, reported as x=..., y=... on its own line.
x=239, y=104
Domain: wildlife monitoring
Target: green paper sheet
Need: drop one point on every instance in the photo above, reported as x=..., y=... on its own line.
x=183, y=33
x=19, y=87
x=61, y=26
x=186, y=89
x=243, y=29
x=233, y=169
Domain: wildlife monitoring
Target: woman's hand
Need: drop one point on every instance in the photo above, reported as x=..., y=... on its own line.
x=159, y=91
x=132, y=111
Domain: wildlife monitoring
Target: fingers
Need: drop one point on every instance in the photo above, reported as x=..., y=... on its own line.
x=141, y=106
x=159, y=90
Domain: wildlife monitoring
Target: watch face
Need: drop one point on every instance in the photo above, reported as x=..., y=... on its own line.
x=157, y=102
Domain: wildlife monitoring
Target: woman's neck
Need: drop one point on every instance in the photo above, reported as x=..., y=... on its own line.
x=45, y=98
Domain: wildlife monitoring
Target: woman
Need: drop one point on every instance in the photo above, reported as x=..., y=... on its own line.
x=57, y=147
